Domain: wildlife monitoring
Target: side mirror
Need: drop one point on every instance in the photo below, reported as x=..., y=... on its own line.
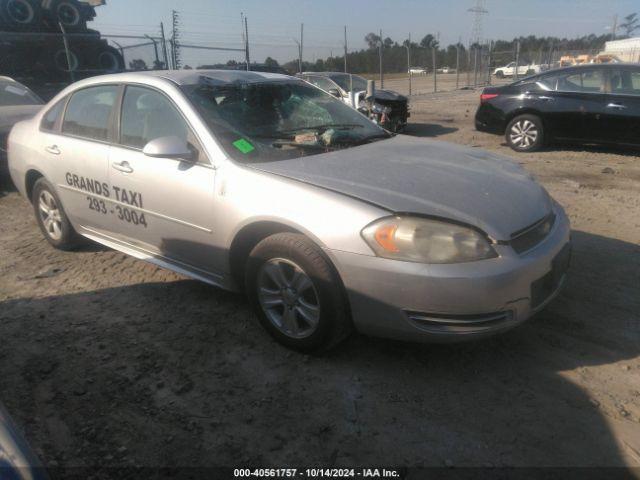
x=335, y=92
x=168, y=147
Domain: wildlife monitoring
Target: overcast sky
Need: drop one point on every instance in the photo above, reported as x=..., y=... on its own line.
x=273, y=24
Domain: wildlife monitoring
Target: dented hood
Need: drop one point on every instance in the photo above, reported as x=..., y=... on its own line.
x=413, y=175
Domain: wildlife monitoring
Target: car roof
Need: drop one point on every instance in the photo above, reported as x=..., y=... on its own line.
x=575, y=68
x=190, y=77
x=325, y=74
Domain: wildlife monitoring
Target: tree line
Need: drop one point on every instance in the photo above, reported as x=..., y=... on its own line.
x=532, y=49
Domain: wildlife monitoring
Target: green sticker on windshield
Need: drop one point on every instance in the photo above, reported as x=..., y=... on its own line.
x=244, y=146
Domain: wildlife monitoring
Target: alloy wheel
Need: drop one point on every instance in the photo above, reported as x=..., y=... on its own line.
x=523, y=134
x=50, y=215
x=288, y=298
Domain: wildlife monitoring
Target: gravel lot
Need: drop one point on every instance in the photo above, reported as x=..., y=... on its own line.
x=108, y=361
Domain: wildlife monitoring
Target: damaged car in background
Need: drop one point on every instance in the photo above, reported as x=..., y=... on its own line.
x=388, y=109
x=262, y=183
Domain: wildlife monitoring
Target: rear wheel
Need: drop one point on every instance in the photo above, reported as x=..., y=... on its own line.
x=296, y=293
x=525, y=133
x=500, y=74
x=51, y=218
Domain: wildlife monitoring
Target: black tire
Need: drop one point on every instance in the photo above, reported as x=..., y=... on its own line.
x=525, y=133
x=108, y=59
x=69, y=13
x=333, y=325
x=500, y=74
x=68, y=238
x=21, y=14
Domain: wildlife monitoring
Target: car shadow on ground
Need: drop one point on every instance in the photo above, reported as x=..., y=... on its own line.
x=180, y=374
x=427, y=130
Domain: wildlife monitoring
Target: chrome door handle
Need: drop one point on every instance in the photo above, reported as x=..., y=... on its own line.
x=53, y=150
x=122, y=167
x=546, y=99
x=617, y=106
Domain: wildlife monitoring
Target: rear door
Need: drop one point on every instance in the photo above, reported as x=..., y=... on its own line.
x=577, y=104
x=622, y=116
x=163, y=206
x=80, y=151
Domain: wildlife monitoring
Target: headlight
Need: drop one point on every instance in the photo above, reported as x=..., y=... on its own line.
x=415, y=239
x=377, y=108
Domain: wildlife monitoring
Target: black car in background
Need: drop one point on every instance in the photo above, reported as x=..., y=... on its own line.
x=390, y=109
x=593, y=103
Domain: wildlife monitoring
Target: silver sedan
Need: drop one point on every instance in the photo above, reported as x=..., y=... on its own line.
x=265, y=184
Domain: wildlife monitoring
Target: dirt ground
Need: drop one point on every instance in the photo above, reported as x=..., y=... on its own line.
x=106, y=360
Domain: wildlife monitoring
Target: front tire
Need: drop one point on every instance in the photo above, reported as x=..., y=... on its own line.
x=500, y=74
x=525, y=133
x=51, y=217
x=296, y=293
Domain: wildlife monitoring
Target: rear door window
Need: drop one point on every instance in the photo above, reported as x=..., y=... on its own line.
x=50, y=121
x=89, y=112
x=583, y=81
x=625, y=81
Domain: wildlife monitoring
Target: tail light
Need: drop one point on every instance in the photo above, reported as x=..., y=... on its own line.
x=485, y=97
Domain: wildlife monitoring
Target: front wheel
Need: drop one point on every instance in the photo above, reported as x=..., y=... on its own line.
x=51, y=217
x=296, y=293
x=525, y=133
x=500, y=74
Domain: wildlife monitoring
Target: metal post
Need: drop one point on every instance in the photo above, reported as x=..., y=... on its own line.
x=408, y=46
x=345, y=49
x=65, y=40
x=301, y=47
x=469, y=65
x=515, y=71
x=458, y=66
x=246, y=46
x=475, y=66
x=164, y=47
x=380, y=55
x=435, y=73
x=155, y=49
x=489, y=63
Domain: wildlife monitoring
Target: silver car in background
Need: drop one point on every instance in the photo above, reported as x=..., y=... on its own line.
x=262, y=183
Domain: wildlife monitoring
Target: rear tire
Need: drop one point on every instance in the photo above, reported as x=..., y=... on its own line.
x=500, y=74
x=51, y=217
x=296, y=293
x=525, y=133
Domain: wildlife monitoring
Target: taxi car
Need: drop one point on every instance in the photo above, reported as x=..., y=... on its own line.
x=263, y=183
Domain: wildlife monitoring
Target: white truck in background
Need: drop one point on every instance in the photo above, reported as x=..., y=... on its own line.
x=523, y=70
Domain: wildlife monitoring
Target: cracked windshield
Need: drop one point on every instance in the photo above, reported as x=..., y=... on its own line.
x=279, y=120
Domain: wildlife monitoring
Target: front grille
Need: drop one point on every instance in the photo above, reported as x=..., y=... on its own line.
x=448, y=323
x=398, y=107
x=529, y=237
x=543, y=288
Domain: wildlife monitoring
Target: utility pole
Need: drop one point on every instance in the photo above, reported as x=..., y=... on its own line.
x=301, y=44
x=614, y=27
x=478, y=10
x=380, y=55
x=345, y=49
x=175, y=39
x=435, y=71
x=246, y=45
x=164, y=47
